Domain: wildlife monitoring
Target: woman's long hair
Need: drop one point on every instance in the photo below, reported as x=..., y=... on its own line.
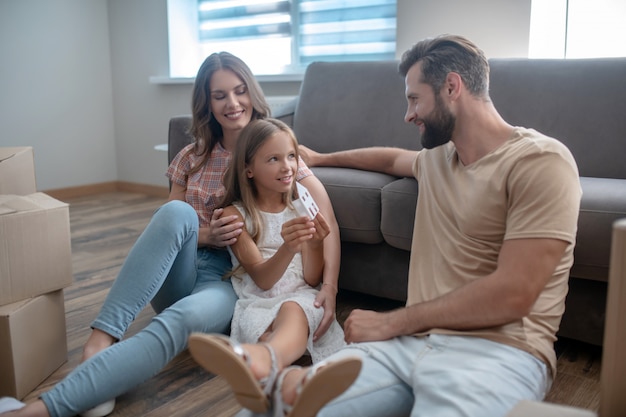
x=243, y=189
x=205, y=129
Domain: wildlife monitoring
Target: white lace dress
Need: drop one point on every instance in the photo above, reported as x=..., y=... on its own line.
x=256, y=309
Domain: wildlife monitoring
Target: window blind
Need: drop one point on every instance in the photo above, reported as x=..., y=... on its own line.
x=346, y=30
x=319, y=30
x=241, y=19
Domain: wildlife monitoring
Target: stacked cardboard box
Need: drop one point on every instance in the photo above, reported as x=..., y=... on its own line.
x=17, y=171
x=35, y=266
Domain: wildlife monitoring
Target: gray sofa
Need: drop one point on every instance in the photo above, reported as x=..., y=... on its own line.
x=359, y=104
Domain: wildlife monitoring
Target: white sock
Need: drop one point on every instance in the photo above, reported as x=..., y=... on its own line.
x=10, y=404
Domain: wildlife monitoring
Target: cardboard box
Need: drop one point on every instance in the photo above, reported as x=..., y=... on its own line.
x=613, y=372
x=35, y=246
x=33, y=342
x=17, y=171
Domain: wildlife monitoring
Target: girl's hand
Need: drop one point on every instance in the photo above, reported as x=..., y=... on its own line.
x=222, y=231
x=326, y=299
x=322, y=229
x=296, y=232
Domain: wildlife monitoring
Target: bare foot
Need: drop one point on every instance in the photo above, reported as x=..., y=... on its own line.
x=98, y=341
x=290, y=383
x=260, y=360
x=308, y=391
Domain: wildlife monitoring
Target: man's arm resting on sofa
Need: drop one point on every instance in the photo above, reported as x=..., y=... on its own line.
x=393, y=161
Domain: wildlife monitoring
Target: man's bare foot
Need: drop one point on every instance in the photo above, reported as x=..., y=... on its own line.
x=98, y=341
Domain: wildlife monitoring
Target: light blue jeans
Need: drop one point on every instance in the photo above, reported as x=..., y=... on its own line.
x=437, y=376
x=185, y=287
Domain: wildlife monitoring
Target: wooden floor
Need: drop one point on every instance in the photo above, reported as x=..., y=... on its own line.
x=105, y=226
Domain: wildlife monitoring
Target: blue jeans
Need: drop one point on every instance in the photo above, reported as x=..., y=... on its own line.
x=185, y=287
x=437, y=376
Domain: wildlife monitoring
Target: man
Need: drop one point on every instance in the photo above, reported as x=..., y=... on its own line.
x=493, y=243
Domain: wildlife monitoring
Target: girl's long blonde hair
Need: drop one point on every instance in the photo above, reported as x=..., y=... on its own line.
x=240, y=188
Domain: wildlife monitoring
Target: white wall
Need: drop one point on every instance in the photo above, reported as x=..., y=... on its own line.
x=142, y=110
x=74, y=78
x=499, y=27
x=55, y=89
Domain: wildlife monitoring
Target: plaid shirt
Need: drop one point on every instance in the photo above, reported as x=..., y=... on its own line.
x=204, y=188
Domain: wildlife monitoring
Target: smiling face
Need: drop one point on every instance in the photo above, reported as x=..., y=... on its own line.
x=427, y=110
x=274, y=165
x=230, y=102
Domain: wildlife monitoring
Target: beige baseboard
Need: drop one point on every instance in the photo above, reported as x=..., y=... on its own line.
x=152, y=190
x=107, y=187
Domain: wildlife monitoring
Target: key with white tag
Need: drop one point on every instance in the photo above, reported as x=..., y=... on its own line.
x=305, y=205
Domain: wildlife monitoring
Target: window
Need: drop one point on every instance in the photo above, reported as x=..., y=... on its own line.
x=577, y=29
x=280, y=37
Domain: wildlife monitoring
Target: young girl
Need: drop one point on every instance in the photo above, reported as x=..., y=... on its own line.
x=277, y=265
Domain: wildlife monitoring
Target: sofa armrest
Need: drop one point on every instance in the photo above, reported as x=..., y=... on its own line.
x=286, y=112
x=603, y=202
x=178, y=135
x=399, y=199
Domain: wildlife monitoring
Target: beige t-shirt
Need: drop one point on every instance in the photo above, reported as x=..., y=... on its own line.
x=527, y=188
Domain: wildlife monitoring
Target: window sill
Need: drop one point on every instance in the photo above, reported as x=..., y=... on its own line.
x=278, y=78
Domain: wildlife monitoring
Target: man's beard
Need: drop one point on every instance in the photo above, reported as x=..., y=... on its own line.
x=438, y=127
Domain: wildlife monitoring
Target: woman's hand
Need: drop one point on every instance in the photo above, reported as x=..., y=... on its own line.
x=222, y=231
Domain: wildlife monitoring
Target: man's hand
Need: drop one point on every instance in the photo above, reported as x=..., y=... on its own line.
x=326, y=299
x=310, y=157
x=222, y=231
x=370, y=326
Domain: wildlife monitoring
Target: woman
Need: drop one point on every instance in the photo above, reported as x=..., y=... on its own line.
x=179, y=260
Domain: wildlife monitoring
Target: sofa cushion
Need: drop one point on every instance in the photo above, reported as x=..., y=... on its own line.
x=603, y=202
x=356, y=199
x=347, y=105
x=577, y=101
x=399, y=199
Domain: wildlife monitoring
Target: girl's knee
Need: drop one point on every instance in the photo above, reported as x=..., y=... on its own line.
x=292, y=312
x=290, y=307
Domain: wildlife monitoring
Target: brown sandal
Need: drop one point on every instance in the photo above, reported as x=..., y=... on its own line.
x=219, y=355
x=321, y=384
